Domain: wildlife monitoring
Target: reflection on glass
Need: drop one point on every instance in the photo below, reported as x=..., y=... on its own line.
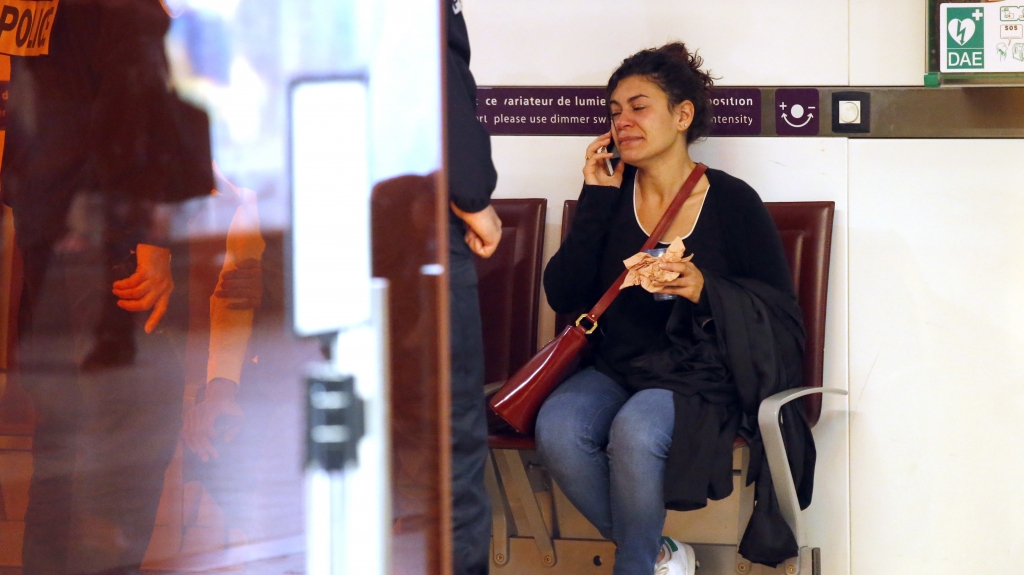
x=150, y=406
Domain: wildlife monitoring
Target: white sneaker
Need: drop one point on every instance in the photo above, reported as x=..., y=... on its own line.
x=677, y=559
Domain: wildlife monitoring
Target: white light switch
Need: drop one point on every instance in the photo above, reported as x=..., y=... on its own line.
x=849, y=112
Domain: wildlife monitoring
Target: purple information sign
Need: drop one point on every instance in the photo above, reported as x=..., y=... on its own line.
x=737, y=112
x=547, y=111
x=797, y=111
x=583, y=111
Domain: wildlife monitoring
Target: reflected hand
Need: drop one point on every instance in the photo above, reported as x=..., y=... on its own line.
x=243, y=284
x=689, y=284
x=199, y=430
x=150, y=286
x=595, y=171
x=484, y=231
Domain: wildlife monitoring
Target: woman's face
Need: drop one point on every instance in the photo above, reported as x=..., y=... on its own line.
x=643, y=125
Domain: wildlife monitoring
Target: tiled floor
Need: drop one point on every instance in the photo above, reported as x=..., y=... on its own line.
x=263, y=479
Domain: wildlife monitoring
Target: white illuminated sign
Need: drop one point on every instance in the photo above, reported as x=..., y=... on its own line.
x=330, y=205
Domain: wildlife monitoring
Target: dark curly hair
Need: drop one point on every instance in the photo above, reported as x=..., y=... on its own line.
x=677, y=71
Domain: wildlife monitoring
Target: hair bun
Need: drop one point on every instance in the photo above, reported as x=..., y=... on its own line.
x=692, y=60
x=679, y=73
x=677, y=49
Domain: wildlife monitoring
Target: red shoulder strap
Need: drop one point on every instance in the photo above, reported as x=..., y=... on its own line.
x=659, y=230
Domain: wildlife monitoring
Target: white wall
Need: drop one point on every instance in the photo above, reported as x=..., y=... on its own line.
x=923, y=318
x=935, y=356
x=790, y=43
x=546, y=42
x=811, y=169
x=887, y=42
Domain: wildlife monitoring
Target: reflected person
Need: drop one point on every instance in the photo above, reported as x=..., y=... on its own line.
x=226, y=430
x=95, y=117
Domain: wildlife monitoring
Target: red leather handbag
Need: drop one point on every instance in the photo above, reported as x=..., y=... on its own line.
x=520, y=398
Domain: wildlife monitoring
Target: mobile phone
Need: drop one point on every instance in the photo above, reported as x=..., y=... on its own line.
x=610, y=163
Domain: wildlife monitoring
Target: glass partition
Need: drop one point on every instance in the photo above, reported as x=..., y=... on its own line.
x=164, y=294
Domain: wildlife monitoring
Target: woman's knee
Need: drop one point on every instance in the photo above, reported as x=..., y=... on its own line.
x=558, y=432
x=643, y=427
x=576, y=417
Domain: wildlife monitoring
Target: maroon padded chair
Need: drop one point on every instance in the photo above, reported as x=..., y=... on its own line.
x=806, y=232
x=509, y=285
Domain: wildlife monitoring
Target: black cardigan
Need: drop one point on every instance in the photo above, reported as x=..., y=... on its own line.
x=734, y=237
x=718, y=375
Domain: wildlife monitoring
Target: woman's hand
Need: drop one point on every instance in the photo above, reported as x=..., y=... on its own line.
x=689, y=284
x=595, y=171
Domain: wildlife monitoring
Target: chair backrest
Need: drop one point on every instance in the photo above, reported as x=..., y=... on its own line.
x=806, y=231
x=509, y=283
x=564, y=319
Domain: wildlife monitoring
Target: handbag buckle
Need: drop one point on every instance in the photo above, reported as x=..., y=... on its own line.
x=592, y=328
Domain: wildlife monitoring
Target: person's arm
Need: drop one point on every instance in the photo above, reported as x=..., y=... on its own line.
x=471, y=174
x=232, y=307
x=127, y=64
x=571, y=276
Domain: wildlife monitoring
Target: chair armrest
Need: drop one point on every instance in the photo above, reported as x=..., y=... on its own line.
x=492, y=388
x=775, y=450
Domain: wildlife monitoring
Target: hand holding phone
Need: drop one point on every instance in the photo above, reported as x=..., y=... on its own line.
x=603, y=167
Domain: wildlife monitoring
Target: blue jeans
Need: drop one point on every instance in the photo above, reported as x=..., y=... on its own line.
x=606, y=449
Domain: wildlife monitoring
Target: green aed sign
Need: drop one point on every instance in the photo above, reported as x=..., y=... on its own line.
x=965, y=38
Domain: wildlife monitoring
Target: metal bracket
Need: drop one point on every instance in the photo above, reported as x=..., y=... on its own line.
x=808, y=562
x=775, y=450
x=517, y=485
x=335, y=421
x=499, y=520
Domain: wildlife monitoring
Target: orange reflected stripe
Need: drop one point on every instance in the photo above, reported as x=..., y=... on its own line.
x=25, y=26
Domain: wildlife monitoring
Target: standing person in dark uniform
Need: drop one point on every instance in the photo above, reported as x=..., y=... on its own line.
x=95, y=118
x=474, y=227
